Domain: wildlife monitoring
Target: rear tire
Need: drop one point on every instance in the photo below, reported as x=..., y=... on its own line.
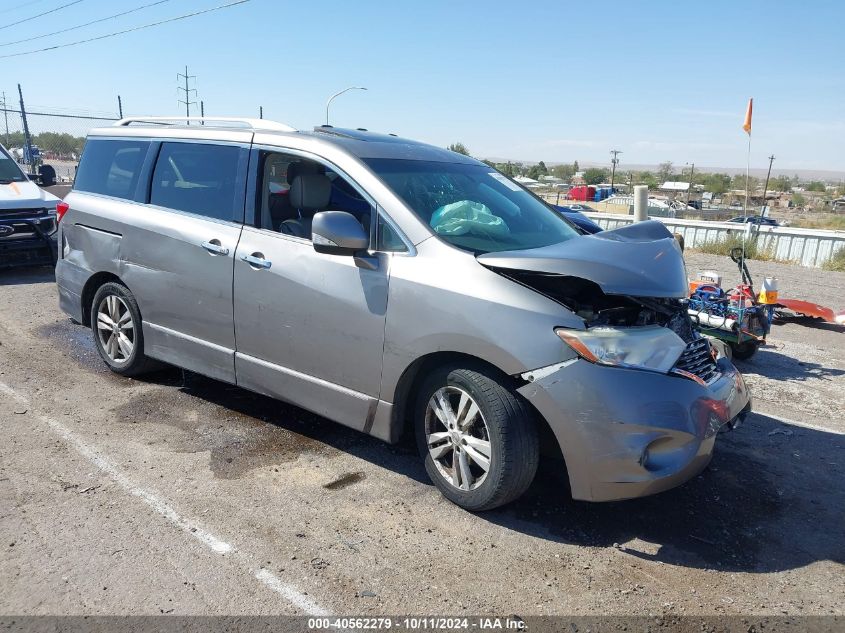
x=477, y=437
x=117, y=329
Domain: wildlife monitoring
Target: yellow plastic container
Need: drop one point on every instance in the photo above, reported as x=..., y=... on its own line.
x=768, y=291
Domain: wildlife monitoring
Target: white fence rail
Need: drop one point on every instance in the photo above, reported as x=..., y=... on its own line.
x=808, y=247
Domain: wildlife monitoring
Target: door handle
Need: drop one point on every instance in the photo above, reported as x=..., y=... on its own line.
x=215, y=248
x=256, y=260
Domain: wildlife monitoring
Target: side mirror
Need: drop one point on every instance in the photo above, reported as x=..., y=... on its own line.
x=338, y=233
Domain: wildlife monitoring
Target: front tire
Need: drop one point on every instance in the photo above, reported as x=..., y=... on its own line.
x=478, y=438
x=116, y=326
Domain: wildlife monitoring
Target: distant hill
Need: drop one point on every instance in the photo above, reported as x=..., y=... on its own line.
x=760, y=172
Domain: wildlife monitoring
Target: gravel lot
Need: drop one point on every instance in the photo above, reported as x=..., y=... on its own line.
x=179, y=494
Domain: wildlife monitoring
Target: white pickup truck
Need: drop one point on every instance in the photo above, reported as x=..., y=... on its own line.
x=27, y=218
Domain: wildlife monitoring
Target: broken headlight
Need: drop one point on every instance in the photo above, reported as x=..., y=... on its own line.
x=652, y=347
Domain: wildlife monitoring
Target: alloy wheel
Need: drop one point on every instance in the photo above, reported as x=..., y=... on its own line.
x=457, y=437
x=115, y=329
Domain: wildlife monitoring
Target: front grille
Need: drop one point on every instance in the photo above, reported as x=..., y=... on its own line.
x=26, y=229
x=21, y=213
x=698, y=360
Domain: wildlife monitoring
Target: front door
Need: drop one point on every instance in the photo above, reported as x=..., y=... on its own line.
x=309, y=327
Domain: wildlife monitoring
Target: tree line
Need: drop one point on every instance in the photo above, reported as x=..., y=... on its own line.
x=63, y=145
x=717, y=183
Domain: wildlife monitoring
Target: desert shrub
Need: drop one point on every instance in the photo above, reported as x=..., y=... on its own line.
x=724, y=247
x=837, y=262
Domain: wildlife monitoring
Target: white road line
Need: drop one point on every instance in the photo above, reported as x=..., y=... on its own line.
x=293, y=596
x=287, y=591
x=806, y=425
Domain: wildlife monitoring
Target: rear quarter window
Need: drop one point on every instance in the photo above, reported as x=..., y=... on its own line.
x=111, y=167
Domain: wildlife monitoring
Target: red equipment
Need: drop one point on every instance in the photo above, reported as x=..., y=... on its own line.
x=582, y=193
x=812, y=310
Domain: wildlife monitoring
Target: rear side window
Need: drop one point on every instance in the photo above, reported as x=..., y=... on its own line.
x=110, y=167
x=198, y=178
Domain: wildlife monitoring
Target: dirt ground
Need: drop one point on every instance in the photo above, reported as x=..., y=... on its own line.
x=178, y=494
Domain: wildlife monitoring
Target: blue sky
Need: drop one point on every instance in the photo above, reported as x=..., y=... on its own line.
x=552, y=81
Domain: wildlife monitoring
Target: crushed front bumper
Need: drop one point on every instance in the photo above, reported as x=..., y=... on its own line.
x=627, y=433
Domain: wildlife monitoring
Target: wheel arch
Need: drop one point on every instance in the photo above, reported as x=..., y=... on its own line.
x=404, y=396
x=90, y=288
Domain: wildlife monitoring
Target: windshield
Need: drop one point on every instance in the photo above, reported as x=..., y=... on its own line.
x=9, y=170
x=473, y=207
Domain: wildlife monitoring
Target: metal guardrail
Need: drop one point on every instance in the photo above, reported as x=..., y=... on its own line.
x=807, y=247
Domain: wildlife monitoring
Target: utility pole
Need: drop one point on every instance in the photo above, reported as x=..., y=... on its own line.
x=260, y=112
x=691, y=173
x=6, y=116
x=187, y=90
x=613, y=162
x=202, y=111
x=766, y=186
x=27, y=139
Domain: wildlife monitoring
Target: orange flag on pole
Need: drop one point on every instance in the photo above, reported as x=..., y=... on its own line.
x=747, y=125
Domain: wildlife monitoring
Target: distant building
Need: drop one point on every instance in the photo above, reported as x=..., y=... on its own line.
x=683, y=192
x=554, y=182
x=525, y=181
x=672, y=185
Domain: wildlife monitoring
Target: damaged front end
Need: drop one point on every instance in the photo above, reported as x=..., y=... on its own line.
x=642, y=414
x=629, y=287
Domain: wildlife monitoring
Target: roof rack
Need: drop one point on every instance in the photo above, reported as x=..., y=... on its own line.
x=254, y=124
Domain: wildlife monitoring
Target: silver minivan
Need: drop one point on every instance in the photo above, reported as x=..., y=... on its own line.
x=390, y=285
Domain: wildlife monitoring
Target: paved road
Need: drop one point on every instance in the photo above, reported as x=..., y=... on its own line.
x=179, y=494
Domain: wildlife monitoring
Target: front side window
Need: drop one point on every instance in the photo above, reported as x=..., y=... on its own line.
x=9, y=170
x=387, y=239
x=198, y=178
x=293, y=189
x=111, y=167
x=472, y=206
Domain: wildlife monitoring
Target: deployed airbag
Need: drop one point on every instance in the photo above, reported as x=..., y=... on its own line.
x=466, y=216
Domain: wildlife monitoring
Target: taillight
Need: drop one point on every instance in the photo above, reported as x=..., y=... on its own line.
x=61, y=209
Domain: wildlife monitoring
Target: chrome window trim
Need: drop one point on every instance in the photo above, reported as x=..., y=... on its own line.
x=270, y=232
x=149, y=205
x=105, y=196
x=189, y=214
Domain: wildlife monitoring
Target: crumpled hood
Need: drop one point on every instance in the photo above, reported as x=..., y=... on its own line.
x=25, y=195
x=641, y=259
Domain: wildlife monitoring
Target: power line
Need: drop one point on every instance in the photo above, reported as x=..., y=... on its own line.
x=21, y=6
x=64, y=6
x=73, y=28
x=59, y=116
x=137, y=28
